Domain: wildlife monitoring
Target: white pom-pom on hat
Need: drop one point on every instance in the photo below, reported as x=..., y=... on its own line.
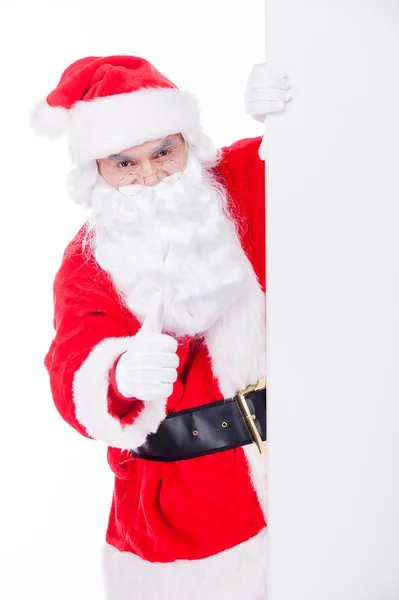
x=49, y=121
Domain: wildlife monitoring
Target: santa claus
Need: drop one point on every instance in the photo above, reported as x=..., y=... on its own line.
x=159, y=316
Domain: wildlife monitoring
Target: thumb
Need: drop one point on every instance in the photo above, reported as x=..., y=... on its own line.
x=154, y=320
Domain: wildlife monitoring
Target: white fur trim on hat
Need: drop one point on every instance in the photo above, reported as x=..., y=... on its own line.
x=107, y=125
x=90, y=394
x=49, y=121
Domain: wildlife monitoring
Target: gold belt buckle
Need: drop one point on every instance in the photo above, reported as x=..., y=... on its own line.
x=246, y=414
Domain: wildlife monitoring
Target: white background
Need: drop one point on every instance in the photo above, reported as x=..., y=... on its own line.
x=333, y=302
x=56, y=486
x=333, y=283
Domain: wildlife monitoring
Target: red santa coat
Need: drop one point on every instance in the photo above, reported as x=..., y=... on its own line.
x=161, y=512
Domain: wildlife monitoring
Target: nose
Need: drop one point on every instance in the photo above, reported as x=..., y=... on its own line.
x=148, y=174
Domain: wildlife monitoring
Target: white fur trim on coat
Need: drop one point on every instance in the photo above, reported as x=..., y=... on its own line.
x=90, y=387
x=237, y=347
x=107, y=125
x=239, y=573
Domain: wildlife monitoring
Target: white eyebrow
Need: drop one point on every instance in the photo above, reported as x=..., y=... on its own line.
x=162, y=146
x=117, y=157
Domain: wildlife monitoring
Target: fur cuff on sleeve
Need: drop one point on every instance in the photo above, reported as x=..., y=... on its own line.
x=91, y=386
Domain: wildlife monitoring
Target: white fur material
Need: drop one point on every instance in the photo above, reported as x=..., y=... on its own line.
x=235, y=574
x=81, y=182
x=49, y=121
x=237, y=347
x=90, y=386
x=107, y=125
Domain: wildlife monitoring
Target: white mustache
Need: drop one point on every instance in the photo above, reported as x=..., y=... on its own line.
x=167, y=200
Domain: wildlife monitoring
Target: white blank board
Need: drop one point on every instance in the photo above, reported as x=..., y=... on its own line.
x=333, y=302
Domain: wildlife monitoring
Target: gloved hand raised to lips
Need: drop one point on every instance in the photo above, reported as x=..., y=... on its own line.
x=148, y=369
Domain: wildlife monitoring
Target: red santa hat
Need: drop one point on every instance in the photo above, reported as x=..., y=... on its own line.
x=110, y=103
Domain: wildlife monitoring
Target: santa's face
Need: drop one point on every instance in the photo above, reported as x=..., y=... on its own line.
x=173, y=237
x=146, y=164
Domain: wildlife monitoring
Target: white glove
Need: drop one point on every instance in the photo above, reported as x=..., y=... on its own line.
x=265, y=92
x=148, y=369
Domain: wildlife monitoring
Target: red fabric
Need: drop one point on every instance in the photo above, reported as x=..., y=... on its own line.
x=164, y=511
x=98, y=76
x=243, y=173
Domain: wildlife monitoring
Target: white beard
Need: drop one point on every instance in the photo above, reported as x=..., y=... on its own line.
x=173, y=238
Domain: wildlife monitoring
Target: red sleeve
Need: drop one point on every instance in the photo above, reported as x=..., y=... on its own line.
x=91, y=332
x=243, y=174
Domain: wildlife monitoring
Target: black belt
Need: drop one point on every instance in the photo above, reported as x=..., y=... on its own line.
x=210, y=428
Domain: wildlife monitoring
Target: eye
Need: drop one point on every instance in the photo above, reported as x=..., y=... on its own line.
x=164, y=153
x=125, y=163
